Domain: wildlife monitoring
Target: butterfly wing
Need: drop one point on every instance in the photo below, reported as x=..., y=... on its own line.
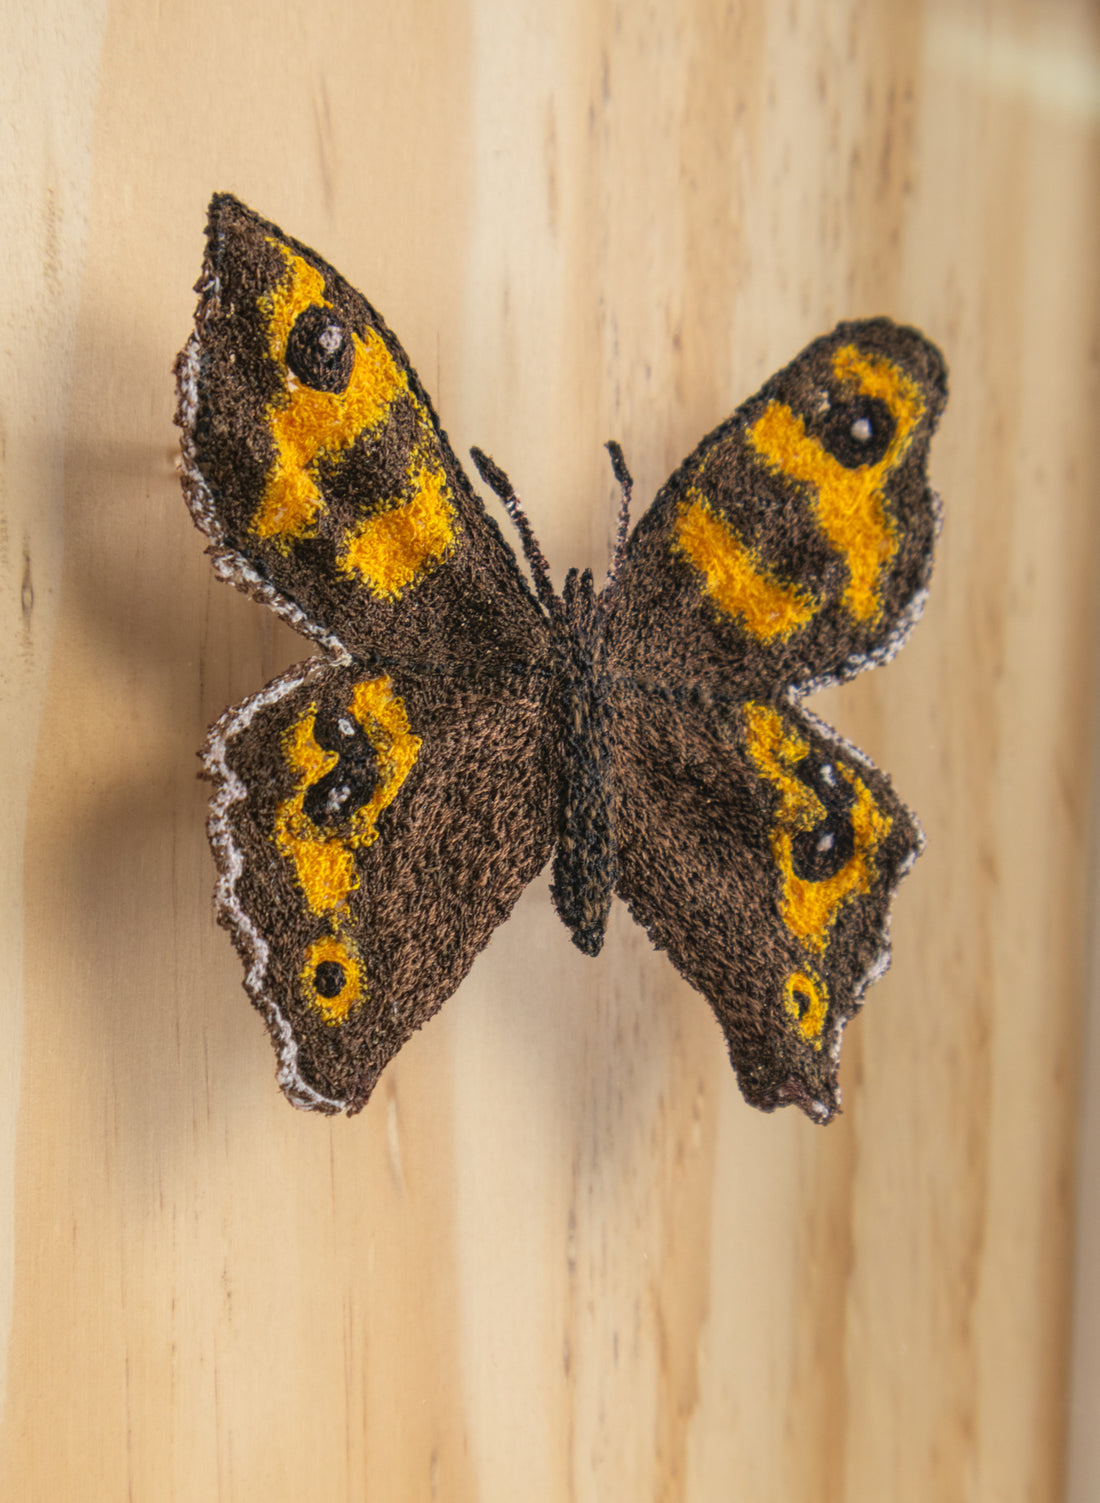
x=378, y=810
x=761, y=853
x=794, y=546
x=792, y=549
x=316, y=466
x=371, y=830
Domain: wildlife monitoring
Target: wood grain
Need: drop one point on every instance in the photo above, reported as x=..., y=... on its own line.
x=557, y=1257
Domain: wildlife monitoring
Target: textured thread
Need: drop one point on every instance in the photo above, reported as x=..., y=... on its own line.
x=377, y=812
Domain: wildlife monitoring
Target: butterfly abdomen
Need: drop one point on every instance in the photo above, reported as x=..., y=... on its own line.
x=586, y=865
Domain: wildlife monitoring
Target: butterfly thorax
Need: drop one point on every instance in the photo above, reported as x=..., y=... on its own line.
x=586, y=861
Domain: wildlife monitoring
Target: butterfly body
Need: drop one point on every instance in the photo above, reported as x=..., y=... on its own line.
x=378, y=810
x=585, y=866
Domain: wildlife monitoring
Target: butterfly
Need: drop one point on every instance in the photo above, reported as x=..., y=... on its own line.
x=378, y=809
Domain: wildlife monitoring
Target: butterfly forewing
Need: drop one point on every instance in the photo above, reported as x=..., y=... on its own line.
x=793, y=547
x=317, y=466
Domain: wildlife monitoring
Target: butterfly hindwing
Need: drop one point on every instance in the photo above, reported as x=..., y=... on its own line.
x=367, y=849
x=316, y=465
x=794, y=545
x=761, y=853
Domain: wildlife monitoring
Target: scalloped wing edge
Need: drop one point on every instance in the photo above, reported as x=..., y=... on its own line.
x=229, y=564
x=819, y=1111
x=250, y=943
x=903, y=628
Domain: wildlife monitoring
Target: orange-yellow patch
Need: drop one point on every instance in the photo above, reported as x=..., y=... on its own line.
x=734, y=576
x=324, y=858
x=809, y=909
x=806, y=1003
x=331, y=950
x=850, y=504
x=307, y=425
x=390, y=550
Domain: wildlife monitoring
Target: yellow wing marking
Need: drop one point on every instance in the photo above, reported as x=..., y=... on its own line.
x=324, y=858
x=806, y=1003
x=324, y=864
x=850, y=504
x=735, y=578
x=308, y=424
x=341, y=959
x=809, y=909
x=389, y=550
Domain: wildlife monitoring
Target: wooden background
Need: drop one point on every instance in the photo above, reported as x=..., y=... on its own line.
x=557, y=1258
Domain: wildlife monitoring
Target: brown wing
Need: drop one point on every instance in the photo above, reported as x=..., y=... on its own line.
x=762, y=854
x=315, y=464
x=371, y=830
x=794, y=546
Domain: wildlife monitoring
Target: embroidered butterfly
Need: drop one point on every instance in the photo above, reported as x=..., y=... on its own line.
x=378, y=810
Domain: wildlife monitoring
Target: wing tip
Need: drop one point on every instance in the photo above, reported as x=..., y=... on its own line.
x=889, y=333
x=821, y=1106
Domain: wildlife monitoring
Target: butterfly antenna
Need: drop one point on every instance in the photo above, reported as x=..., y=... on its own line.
x=498, y=482
x=626, y=485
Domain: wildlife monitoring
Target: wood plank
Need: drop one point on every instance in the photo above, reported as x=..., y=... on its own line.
x=557, y=1256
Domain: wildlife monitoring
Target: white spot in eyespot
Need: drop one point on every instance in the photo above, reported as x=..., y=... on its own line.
x=828, y=775
x=337, y=798
x=862, y=430
x=330, y=339
x=345, y=726
x=824, y=844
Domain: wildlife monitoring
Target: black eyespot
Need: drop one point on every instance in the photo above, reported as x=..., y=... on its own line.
x=328, y=979
x=349, y=784
x=802, y=1000
x=858, y=432
x=319, y=350
x=820, y=853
